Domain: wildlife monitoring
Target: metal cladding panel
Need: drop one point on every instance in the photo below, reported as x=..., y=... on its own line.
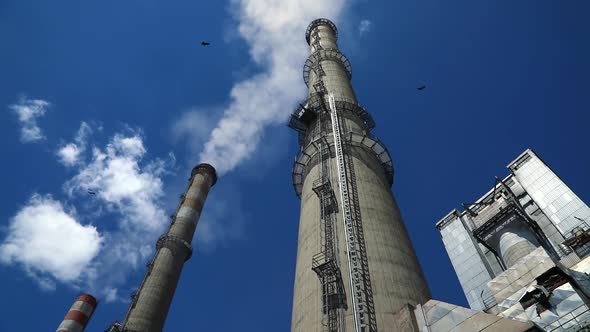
x=582, y=266
x=467, y=262
x=436, y=316
x=567, y=310
x=547, y=227
x=521, y=274
x=553, y=196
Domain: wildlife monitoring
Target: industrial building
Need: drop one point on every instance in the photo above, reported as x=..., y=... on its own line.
x=521, y=250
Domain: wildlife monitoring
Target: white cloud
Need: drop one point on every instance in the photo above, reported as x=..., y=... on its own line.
x=52, y=246
x=364, y=26
x=274, y=29
x=49, y=242
x=83, y=132
x=70, y=153
x=130, y=190
x=28, y=110
x=114, y=173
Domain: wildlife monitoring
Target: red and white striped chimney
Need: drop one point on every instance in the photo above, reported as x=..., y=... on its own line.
x=79, y=314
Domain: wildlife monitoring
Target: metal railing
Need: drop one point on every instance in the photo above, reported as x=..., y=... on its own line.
x=572, y=322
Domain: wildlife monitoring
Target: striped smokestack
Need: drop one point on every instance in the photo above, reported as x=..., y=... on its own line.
x=150, y=305
x=79, y=314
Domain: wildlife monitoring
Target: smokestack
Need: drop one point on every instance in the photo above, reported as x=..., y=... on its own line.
x=79, y=314
x=149, y=307
x=356, y=267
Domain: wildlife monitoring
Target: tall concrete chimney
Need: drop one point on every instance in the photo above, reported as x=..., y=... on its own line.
x=150, y=305
x=356, y=267
x=79, y=314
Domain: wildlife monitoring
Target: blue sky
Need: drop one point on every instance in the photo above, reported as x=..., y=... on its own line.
x=119, y=97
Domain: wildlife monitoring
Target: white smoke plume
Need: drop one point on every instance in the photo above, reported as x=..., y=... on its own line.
x=275, y=30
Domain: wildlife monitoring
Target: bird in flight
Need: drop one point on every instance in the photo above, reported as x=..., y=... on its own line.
x=204, y=43
x=421, y=87
x=90, y=192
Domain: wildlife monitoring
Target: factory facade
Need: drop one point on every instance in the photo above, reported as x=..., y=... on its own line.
x=521, y=251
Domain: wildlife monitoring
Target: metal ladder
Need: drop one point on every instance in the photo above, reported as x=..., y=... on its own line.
x=355, y=269
x=360, y=235
x=325, y=263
